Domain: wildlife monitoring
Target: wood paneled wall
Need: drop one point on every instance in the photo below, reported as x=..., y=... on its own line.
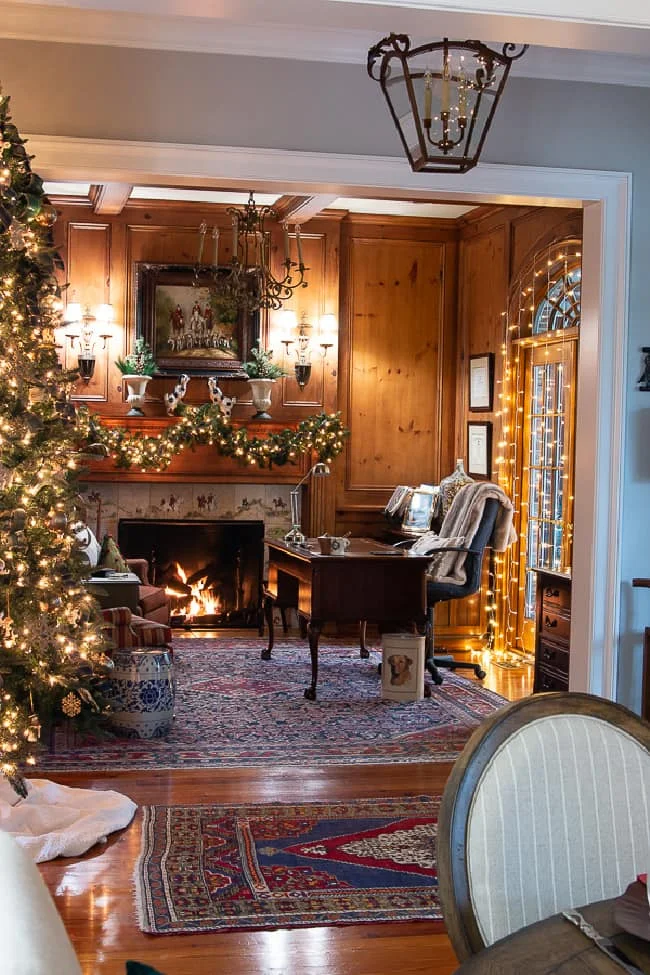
x=414, y=299
x=101, y=255
x=495, y=245
x=397, y=330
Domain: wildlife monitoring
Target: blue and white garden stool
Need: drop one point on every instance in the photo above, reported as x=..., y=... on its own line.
x=141, y=692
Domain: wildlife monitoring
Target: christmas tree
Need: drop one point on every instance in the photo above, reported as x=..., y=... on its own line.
x=51, y=647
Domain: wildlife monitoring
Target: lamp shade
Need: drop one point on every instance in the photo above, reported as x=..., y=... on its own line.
x=442, y=96
x=73, y=312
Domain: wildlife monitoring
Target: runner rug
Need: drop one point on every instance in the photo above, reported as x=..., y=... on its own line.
x=234, y=709
x=234, y=867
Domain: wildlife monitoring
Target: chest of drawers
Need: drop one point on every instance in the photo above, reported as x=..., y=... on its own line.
x=552, y=631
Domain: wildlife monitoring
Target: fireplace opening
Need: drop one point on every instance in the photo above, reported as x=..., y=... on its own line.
x=212, y=570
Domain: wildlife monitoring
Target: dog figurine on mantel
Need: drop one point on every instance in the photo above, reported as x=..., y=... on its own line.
x=225, y=403
x=173, y=399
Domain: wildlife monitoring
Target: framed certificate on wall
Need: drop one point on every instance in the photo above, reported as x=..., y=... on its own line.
x=479, y=450
x=481, y=382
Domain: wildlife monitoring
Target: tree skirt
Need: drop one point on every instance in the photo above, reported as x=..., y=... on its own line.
x=234, y=709
x=54, y=820
x=233, y=867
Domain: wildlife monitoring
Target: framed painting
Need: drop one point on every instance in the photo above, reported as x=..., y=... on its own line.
x=481, y=382
x=479, y=450
x=189, y=325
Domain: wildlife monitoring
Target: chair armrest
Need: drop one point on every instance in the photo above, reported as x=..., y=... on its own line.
x=141, y=569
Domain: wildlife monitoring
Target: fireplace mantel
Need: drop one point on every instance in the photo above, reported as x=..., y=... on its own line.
x=201, y=465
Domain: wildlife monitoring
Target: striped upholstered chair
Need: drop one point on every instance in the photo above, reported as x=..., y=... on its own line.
x=547, y=808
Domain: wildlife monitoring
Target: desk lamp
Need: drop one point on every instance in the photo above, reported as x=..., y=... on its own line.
x=295, y=536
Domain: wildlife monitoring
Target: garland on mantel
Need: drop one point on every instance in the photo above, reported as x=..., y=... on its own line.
x=205, y=425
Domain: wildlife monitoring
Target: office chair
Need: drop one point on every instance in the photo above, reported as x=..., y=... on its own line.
x=439, y=592
x=546, y=809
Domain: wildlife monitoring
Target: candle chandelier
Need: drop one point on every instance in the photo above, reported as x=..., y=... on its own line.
x=442, y=97
x=247, y=281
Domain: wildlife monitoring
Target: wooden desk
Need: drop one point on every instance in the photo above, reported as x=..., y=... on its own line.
x=372, y=581
x=556, y=946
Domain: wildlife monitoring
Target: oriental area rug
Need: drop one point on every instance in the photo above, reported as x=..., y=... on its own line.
x=239, y=867
x=233, y=709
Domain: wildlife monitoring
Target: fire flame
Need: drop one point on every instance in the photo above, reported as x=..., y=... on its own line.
x=201, y=601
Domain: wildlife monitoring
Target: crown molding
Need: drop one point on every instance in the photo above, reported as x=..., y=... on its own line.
x=625, y=13
x=36, y=22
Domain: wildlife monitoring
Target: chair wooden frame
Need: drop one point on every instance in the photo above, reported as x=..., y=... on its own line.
x=454, y=884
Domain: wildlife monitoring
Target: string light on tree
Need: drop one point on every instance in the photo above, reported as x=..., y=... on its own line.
x=50, y=637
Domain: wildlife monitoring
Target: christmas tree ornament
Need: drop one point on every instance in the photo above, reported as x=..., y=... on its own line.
x=47, y=215
x=59, y=521
x=33, y=732
x=71, y=705
x=18, y=519
x=17, y=235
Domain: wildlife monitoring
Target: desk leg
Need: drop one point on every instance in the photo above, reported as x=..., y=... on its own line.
x=364, y=652
x=314, y=630
x=268, y=612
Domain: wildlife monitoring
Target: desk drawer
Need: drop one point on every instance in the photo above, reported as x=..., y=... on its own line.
x=553, y=655
x=555, y=624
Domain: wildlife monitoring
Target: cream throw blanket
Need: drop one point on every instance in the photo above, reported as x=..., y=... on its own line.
x=463, y=518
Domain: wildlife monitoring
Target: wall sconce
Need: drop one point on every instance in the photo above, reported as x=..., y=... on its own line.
x=303, y=353
x=295, y=536
x=327, y=333
x=302, y=367
x=87, y=336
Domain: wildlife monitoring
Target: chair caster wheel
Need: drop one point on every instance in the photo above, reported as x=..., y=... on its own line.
x=265, y=655
x=480, y=673
x=437, y=679
x=310, y=694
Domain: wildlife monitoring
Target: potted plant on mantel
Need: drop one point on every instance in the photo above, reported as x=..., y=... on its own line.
x=262, y=373
x=137, y=369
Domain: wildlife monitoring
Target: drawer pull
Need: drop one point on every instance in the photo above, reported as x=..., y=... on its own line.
x=551, y=624
x=553, y=593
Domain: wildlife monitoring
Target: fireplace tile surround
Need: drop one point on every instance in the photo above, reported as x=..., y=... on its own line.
x=108, y=502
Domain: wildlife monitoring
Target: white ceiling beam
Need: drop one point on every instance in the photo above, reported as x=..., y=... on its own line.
x=300, y=209
x=110, y=198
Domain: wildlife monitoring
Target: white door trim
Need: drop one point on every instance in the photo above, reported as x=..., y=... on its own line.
x=595, y=626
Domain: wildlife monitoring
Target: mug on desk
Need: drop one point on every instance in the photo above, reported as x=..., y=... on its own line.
x=333, y=544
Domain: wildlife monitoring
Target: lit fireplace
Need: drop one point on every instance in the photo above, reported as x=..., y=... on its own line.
x=212, y=570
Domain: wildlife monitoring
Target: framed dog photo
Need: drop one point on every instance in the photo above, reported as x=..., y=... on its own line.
x=481, y=382
x=479, y=450
x=402, y=667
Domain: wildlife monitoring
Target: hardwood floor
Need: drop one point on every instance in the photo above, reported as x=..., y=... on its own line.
x=94, y=894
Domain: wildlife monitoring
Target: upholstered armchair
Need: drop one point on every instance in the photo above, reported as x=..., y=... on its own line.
x=153, y=602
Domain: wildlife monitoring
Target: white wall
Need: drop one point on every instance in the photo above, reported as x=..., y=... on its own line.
x=100, y=92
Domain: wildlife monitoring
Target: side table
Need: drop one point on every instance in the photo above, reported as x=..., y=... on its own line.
x=119, y=589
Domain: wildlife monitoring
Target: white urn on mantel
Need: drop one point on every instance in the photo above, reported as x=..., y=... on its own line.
x=262, y=373
x=261, y=394
x=136, y=388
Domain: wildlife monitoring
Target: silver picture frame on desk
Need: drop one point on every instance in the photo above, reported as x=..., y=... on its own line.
x=418, y=515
